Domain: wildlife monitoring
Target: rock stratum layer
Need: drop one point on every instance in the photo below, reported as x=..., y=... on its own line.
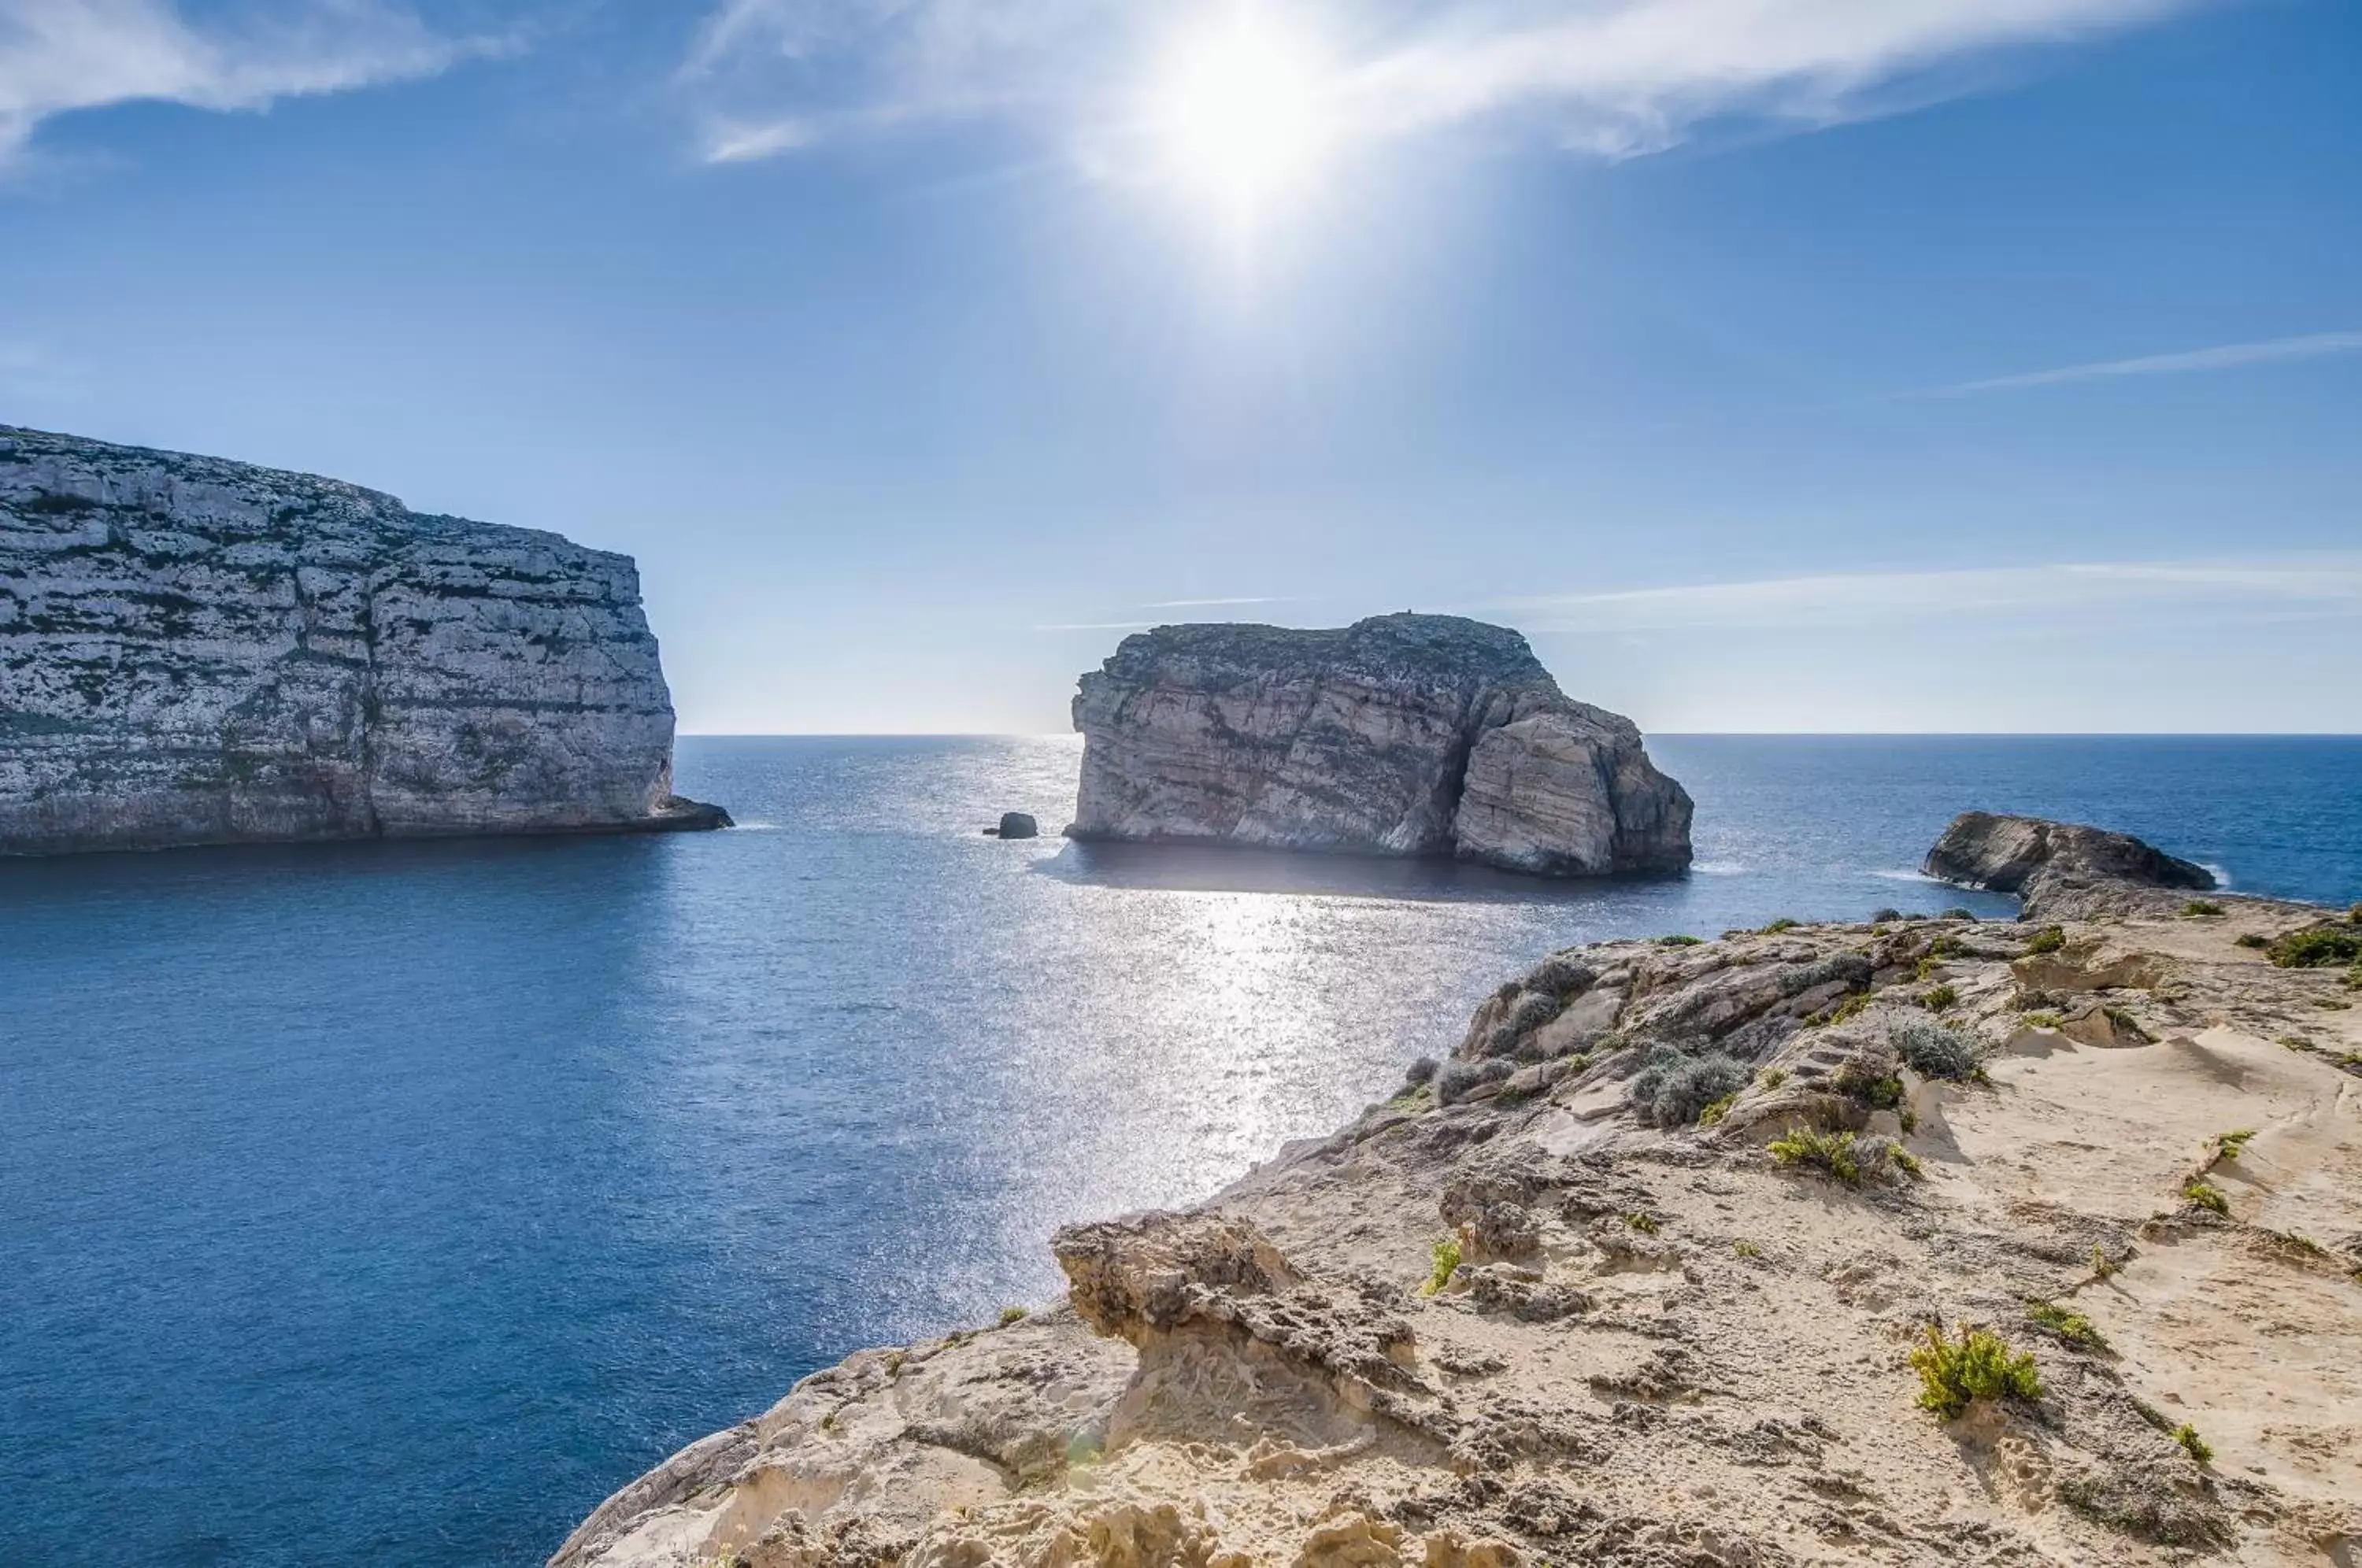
x=1637, y=1278
x=195, y=651
x=1403, y=735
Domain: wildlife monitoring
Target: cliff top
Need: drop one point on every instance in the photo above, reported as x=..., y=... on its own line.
x=1435, y=646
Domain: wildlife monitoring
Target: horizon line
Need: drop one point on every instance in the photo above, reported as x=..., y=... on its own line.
x=1682, y=735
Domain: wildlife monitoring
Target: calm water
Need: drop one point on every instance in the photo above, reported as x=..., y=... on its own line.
x=393, y=1203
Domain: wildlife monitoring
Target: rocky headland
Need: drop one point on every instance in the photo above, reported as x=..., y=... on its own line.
x=196, y=651
x=1401, y=734
x=1924, y=1242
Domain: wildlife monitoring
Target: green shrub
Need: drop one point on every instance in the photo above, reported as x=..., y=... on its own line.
x=1679, y=941
x=2129, y=1024
x=2199, y=908
x=1012, y=1314
x=1640, y=1220
x=1905, y=1161
x=2187, y=1436
x=1980, y=1365
x=1847, y=1007
x=2251, y=939
x=1927, y=967
x=1934, y=1052
x=2206, y=1194
x=2354, y=915
x=2067, y=1324
x=1856, y=1083
x=1747, y=1249
x=2227, y=1146
x=2050, y=939
x=2045, y=1021
x=1713, y=1114
x=1830, y=1152
x=1957, y=913
x=1446, y=1260
x=1772, y=1077
x=1777, y=926
x=2316, y=947
x=2101, y=1268
x=1939, y=998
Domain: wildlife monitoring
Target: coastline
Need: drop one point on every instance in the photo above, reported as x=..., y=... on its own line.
x=1268, y=1381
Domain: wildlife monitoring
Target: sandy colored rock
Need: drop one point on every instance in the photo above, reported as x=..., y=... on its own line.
x=1666, y=1347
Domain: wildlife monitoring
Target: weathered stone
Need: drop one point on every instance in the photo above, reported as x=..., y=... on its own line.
x=195, y=651
x=1016, y=824
x=2028, y=854
x=1403, y=735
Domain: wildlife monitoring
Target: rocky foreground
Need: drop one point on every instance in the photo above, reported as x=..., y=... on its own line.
x=195, y=651
x=1401, y=734
x=1911, y=1241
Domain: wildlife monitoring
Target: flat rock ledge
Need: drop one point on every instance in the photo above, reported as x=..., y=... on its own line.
x=1636, y=1277
x=1400, y=735
x=195, y=651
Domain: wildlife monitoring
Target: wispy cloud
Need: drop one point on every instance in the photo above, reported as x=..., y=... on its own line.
x=1613, y=77
x=2328, y=583
x=60, y=56
x=1097, y=626
x=1198, y=604
x=2225, y=357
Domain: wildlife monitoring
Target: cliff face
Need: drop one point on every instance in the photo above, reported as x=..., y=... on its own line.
x=1643, y=1276
x=1403, y=735
x=194, y=651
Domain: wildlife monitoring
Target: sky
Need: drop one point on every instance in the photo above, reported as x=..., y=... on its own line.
x=1775, y=365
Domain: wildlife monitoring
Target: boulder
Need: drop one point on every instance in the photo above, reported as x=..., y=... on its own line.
x=1016, y=824
x=2040, y=859
x=1402, y=735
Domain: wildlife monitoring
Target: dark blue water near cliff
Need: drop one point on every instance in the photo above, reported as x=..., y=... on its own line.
x=391, y=1204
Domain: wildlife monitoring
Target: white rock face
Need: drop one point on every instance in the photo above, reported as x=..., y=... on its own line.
x=194, y=651
x=1402, y=734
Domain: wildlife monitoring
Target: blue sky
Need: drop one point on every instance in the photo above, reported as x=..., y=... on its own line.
x=1774, y=364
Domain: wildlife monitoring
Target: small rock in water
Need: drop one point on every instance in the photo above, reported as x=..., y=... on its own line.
x=1017, y=824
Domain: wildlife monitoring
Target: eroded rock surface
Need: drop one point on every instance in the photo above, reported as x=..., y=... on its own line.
x=195, y=651
x=1403, y=735
x=2043, y=860
x=1549, y=1314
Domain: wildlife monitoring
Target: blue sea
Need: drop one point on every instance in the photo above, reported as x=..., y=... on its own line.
x=393, y=1203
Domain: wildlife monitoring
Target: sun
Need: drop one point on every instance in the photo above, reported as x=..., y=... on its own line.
x=1237, y=115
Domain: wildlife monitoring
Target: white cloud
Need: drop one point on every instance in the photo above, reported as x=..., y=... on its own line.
x=60, y=56
x=2327, y=584
x=1610, y=76
x=1196, y=603
x=2227, y=357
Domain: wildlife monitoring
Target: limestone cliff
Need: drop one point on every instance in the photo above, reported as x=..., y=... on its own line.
x=196, y=651
x=1671, y=1264
x=1403, y=735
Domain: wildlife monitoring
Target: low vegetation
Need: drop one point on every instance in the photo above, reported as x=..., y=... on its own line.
x=1934, y=1052
x=2127, y=1025
x=1012, y=1314
x=1447, y=1262
x=1673, y=1090
x=2103, y=1267
x=1939, y=998
x=1713, y=1114
x=1772, y=1077
x=2043, y=1019
x=1747, y=1249
x=1858, y=1084
x=2200, y=908
x=2227, y=1146
x=2251, y=939
x=2192, y=1444
x=1679, y=941
x=1846, y=1007
x=2206, y=1194
x=1980, y=1365
x=1777, y=926
x=2067, y=1324
x=1832, y=1153
x=2050, y=939
x=1640, y=1220
x=2317, y=948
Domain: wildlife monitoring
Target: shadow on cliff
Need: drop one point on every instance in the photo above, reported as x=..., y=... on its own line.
x=1229, y=868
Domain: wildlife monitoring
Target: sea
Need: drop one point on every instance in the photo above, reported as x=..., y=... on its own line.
x=393, y=1203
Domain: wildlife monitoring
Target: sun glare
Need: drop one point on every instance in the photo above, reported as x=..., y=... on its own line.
x=1239, y=116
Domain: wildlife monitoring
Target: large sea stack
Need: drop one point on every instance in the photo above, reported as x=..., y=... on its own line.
x=194, y=651
x=1402, y=734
